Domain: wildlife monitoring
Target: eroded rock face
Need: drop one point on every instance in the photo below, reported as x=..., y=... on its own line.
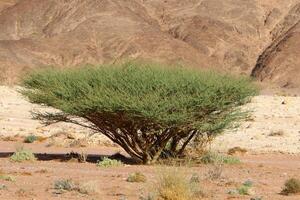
x=228, y=35
x=280, y=62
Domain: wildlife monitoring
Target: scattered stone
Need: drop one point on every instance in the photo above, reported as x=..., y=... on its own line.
x=276, y=133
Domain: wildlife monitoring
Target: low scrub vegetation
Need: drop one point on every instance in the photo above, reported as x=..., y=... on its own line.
x=88, y=188
x=174, y=185
x=215, y=158
x=7, y=177
x=151, y=111
x=106, y=162
x=30, y=139
x=64, y=185
x=22, y=155
x=2, y=187
x=215, y=172
x=137, y=177
x=291, y=186
x=245, y=189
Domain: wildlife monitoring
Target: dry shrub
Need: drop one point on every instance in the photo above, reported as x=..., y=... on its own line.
x=173, y=185
x=136, y=177
x=89, y=188
x=237, y=150
x=215, y=172
x=64, y=185
x=291, y=186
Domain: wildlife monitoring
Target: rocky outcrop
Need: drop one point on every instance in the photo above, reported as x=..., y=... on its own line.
x=227, y=35
x=280, y=62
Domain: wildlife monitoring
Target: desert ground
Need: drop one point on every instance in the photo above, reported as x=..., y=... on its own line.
x=269, y=139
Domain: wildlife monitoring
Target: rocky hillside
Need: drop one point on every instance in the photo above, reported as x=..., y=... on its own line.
x=253, y=37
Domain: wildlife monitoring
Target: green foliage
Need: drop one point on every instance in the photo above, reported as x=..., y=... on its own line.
x=30, y=139
x=244, y=189
x=248, y=183
x=291, y=186
x=22, y=155
x=7, y=178
x=156, y=104
x=162, y=95
x=137, y=177
x=106, y=162
x=213, y=158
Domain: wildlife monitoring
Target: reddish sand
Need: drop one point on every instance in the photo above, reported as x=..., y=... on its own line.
x=268, y=173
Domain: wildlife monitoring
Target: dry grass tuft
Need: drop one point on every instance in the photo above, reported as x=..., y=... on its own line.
x=173, y=185
x=89, y=188
x=291, y=186
x=137, y=177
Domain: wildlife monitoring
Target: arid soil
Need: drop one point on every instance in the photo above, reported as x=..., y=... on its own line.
x=251, y=37
x=274, y=126
x=36, y=180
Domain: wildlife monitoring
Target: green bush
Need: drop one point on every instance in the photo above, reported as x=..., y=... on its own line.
x=7, y=178
x=22, y=155
x=244, y=189
x=106, y=162
x=142, y=107
x=215, y=158
x=30, y=139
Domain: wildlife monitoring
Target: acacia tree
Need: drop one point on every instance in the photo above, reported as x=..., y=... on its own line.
x=145, y=108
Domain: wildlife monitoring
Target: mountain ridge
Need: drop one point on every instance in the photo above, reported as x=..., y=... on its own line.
x=230, y=36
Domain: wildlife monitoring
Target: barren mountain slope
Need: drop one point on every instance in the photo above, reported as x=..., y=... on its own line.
x=228, y=35
x=280, y=62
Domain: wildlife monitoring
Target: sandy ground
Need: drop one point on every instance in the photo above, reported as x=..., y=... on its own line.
x=36, y=180
x=16, y=119
x=273, y=127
